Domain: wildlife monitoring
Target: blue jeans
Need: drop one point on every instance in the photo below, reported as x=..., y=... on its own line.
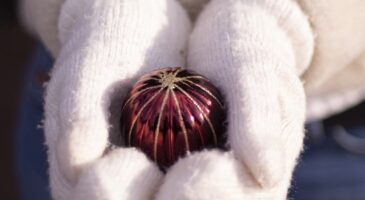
x=326, y=171
x=30, y=150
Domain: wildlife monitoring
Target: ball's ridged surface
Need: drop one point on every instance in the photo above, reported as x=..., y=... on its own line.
x=172, y=111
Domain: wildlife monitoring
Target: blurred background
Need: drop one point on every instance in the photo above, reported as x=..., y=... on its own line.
x=15, y=50
x=323, y=159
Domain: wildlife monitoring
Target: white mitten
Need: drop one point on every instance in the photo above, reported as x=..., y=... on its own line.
x=104, y=46
x=255, y=52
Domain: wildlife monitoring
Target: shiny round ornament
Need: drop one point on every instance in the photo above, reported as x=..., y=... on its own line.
x=171, y=112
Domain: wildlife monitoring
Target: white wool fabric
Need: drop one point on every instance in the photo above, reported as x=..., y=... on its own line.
x=255, y=52
x=258, y=52
x=216, y=175
x=104, y=47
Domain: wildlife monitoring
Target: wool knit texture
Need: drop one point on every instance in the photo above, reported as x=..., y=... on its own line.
x=250, y=52
x=98, y=60
x=266, y=56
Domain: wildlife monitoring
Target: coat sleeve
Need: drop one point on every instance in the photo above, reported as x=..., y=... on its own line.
x=334, y=80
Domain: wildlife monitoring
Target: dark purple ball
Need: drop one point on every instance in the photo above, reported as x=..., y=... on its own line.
x=172, y=111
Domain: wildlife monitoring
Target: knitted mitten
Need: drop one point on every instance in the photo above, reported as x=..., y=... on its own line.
x=255, y=52
x=100, y=49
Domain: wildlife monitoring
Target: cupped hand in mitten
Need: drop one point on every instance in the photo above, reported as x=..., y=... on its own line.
x=255, y=51
x=104, y=47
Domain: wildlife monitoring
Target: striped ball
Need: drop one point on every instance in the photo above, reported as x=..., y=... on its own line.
x=171, y=112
